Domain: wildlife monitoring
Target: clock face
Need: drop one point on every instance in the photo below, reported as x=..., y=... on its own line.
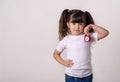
x=87, y=38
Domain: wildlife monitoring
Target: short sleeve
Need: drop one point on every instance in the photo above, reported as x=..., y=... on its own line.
x=94, y=36
x=61, y=46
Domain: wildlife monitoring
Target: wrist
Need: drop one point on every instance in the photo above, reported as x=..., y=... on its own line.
x=63, y=62
x=92, y=26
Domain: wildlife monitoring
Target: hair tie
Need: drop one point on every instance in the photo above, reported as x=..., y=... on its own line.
x=68, y=10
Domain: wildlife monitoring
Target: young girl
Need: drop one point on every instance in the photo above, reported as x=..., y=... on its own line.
x=76, y=33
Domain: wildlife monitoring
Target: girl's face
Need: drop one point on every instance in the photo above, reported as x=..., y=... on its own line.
x=75, y=28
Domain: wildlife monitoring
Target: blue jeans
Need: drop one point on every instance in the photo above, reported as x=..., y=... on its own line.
x=76, y=79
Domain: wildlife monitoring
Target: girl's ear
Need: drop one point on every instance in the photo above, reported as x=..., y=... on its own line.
x=68, y=25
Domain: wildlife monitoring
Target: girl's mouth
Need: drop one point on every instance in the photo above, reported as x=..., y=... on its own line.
x=77, y=30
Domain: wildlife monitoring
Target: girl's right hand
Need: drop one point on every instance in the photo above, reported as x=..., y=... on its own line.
x=87, y=29
x=68, y=63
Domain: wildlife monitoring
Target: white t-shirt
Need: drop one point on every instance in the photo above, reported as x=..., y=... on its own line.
x=79, y=51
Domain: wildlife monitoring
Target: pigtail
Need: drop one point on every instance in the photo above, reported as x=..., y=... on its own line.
x=89, y=20
x=63, y=29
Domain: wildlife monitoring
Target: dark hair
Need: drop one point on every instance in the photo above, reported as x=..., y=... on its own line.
x=76, y=16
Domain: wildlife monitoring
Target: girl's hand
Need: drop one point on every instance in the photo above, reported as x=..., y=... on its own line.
x=68, y=63
x=102, y=32
x=87, y=29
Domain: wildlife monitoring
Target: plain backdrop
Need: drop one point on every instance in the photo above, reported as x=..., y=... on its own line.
x=29, y=35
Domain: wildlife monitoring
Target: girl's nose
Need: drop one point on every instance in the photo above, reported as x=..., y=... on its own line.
x=77, y=26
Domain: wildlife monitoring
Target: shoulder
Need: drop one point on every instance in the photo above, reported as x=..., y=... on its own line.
x=65, y=38
x=94, y=34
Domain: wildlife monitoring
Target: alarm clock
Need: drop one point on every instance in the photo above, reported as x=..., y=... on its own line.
x=87, y=38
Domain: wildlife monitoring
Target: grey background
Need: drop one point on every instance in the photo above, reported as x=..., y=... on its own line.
x=28, y=37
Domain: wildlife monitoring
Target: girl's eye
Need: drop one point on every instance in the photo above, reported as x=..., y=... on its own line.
x=77, y=23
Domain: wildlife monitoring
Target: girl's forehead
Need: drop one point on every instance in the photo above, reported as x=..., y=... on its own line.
x=77, y=19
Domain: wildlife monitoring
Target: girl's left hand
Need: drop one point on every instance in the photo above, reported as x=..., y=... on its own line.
x=87, y=29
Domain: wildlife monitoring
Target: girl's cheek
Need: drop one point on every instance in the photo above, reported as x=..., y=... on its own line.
x=82, y=29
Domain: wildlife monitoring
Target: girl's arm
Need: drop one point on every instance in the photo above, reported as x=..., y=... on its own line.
x=102, y=32
x=67, y=63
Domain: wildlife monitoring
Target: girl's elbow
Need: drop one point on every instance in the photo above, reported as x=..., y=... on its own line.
x=103, y=35
x=106, y=33
x=54, y=55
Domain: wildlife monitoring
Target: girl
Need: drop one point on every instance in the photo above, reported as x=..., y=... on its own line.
x=76, y=33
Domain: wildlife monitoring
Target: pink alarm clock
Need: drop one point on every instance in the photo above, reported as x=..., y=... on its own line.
x=87, y=38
